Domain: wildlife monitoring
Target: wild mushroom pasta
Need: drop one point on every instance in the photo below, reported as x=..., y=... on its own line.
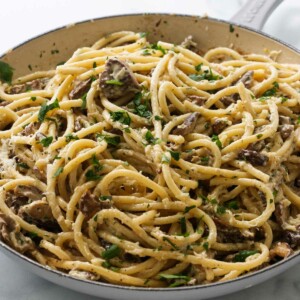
x=150, y=165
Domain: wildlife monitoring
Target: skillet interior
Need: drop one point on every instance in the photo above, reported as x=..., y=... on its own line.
x=46, y=51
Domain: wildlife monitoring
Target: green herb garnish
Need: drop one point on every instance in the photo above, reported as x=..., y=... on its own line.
x=175, y=155
x=142, y=106
x=182, y=222
x=92, y=175
x=46, y=141
x=111, y=252
x=69, y=137
x=23, y=165
x=231, y=28
x=46, y=108
x=165, y=159
x=216, y=139
x=6, y=72
x=151, y=139
x=33, y=98
x=272, y=91
x=104, y=198
x=121, y=116
x=242, y=255
x=58, y=171
x=170, y=242
x=188, y=208
x=198, y=67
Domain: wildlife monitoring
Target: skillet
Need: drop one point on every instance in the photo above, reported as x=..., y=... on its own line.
x=208, y=33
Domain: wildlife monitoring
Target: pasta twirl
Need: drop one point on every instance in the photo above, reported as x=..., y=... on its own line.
x=149, y=165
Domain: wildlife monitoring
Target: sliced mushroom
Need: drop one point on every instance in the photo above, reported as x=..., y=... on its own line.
x=253, y=157
x=85, y=275
x=30, y=129
x=283, y=120
x=198, y=100
x=36, y=84
x=11, y=235
x=188, y=125
x=282, y=213
x=89, y=204
x=40, y=214
x=80, y=89
x=219, y=125
x=293, y=237
x=286, y=130
x=118, y=80
x=246, y=79
x=280, y=249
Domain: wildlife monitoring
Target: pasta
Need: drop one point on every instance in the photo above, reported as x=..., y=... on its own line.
x=150, y=165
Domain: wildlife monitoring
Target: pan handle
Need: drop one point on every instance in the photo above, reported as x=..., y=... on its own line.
x=255, y=13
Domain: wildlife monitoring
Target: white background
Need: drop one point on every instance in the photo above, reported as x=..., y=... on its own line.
x=23, y=19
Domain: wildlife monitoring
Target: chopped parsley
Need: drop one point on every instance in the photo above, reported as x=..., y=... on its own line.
x=143, y=34
x=142, y=106
x=188, y=208
x=83, y=104
x=170, y=242
x=58, y=172
x=175, y=155
x=284, y=99
x=231, y=28
x=45, y=109
x=104, y=198
x=151, y=139
x=92, y=175
x=272, y=91
x=46, y=141
x=198, y=67
x=205, y=75
x=242, y=255
x=6, y=72
x=221, y=210
x=182, y=222
x=23, y=165
x=33, y=98
x=177, y=280
x=69, y=137
x=216, y=139
x=157, y=47
x=233, y=204
x=157, y=118
x=205, y=245
x=121, y=116
x=111, y=252
x=114, y=82
x=94, y=65
x=113, y=140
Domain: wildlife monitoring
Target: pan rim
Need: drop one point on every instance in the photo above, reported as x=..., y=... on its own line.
x=34, y=263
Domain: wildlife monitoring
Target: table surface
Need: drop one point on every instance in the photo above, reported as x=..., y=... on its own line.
x=21, y=20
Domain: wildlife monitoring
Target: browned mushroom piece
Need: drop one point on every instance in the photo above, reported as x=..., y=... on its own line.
x=118, y=80
x=293, y=237
x=85, y=275
x=89, y=204
x=253, y=157
x=188, y=125
x=219, y=125
x=282, y=213
x=40, y=214
x=30, y=129
x=280, y=249
x=284, y=120
x=81, y=88
x=36, y=84
x=11, y=235
x=198, y=100
x=258, y=146
x=286, y=130
x=246, y=79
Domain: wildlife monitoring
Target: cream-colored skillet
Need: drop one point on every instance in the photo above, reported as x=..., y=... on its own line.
x=208, y=33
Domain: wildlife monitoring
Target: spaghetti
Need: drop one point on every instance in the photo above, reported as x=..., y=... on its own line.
x=150, y=165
